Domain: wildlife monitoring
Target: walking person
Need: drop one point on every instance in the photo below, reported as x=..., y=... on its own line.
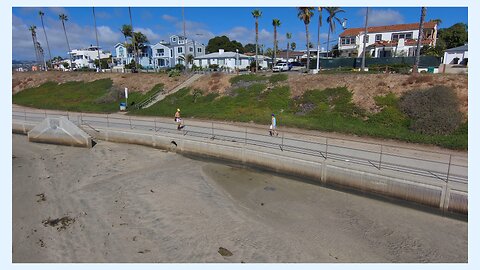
x=178, y=119
x=273, y=126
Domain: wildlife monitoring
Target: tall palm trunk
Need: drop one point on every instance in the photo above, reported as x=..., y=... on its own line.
x=328, y=43
x=365, y=40
x=46, y=38
x=274, y=44
x=308, y=47
x=68, y=44
x=256, y=45
x=318, y=37
x=37, y=57
x=420, y=39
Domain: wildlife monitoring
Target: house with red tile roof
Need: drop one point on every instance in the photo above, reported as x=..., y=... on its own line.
x=386, y=41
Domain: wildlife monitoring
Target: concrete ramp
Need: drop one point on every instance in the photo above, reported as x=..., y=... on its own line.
x=59, y=131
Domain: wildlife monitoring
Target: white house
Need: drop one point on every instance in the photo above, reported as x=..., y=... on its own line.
x=86, y=57
x=456, y=56
x=162, y=54
x=229, y=60
x=386, y=41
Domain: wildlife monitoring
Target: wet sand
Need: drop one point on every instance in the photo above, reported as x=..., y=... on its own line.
x=127, y=203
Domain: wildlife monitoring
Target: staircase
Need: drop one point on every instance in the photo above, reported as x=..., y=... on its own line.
x=162, y=95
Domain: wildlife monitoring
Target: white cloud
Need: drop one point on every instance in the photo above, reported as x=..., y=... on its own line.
x=152, y=37
x=378, y=17
x=169, y=18
x=78, y=37
x=58, y=10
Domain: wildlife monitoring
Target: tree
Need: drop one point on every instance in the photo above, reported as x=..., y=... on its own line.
x=33, y=30
x=289, y=36
x=133, y=38
x=45, y=33
x=269, y=52
x=437, y=21
x=256, y=14
x=420, y=39
x=250, y=48
x=189, y=58
x=293, y=46
x=320, y=9
x=64, y=18
x=454, y=36
x=332, y=18
x=305, y=14
x=276, y=23
x=223, y=42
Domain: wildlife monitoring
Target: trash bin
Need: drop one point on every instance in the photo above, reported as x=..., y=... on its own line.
x=123, y=106
x=430, y=69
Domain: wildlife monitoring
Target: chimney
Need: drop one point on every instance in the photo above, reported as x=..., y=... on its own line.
x=220, y=51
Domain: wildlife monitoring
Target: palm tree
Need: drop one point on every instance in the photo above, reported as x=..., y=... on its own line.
x=276, y=23
x=365, y=35
x=33, y=30
x=46, y=38
x=256, y=14
x=332, y=17
x=64, y=18
x=437, y=21
x=293, y=46
x=420, y=39
x=318, y=36
x=289, y=36
x=127, y=32
x=305, y=14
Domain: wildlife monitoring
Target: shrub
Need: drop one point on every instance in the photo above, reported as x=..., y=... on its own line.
x=390, y=115
x=179, y=67
x=433, y=111
x=174, y=73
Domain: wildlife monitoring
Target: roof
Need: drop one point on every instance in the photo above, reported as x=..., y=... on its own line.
x=387, y=28
x=222, y=55
x=461, y=48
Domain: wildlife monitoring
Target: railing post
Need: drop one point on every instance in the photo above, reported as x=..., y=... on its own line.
x=108, y=122
x=283, y=133
x=245, y=136
x=381, y=154
x=45, y=111
x=449, y=163
x=213, y=134
x=25, y=112
x=326, y=148
x=130, y=120
x=155, y=123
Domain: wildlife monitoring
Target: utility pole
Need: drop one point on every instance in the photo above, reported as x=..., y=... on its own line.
x=133, y=39
x=96, y=36
x=365, y=40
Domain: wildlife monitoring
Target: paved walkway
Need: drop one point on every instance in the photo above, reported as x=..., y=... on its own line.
x=184, y=84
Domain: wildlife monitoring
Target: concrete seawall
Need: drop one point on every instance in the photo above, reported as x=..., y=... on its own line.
x=447, y=196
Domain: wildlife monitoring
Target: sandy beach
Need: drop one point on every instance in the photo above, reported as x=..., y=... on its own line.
x=127, y=203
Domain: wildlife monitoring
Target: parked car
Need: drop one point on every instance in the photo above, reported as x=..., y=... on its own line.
x=296, y=66
x=279, y=67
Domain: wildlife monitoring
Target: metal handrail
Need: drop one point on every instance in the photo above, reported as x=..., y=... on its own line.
x=286, y=145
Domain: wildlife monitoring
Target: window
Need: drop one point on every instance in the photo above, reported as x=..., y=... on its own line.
x=174, y=39
x=367, y=38
x=378, y=37
x=199, y=50
x=347, y=40
x=180, y=49
x=162, y=62
x=171, y=52
x=398, y=36
x=221, y=62
x=190, y=49
x=160, y=50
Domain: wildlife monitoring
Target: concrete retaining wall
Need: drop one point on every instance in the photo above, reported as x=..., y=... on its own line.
x=59, y=130
x=425, y=191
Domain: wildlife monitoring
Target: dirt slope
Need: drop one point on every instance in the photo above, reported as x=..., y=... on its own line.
x=135, y=82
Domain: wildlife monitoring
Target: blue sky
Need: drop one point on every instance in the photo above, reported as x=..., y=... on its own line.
x=202, y=23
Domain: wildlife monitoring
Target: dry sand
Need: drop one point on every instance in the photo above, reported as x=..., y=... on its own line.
x=127, y=203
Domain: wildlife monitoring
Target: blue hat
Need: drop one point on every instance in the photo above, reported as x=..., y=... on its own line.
x=273, y=114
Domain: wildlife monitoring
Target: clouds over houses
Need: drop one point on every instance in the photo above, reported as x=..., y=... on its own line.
x=378, y=17
x=78, y=37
